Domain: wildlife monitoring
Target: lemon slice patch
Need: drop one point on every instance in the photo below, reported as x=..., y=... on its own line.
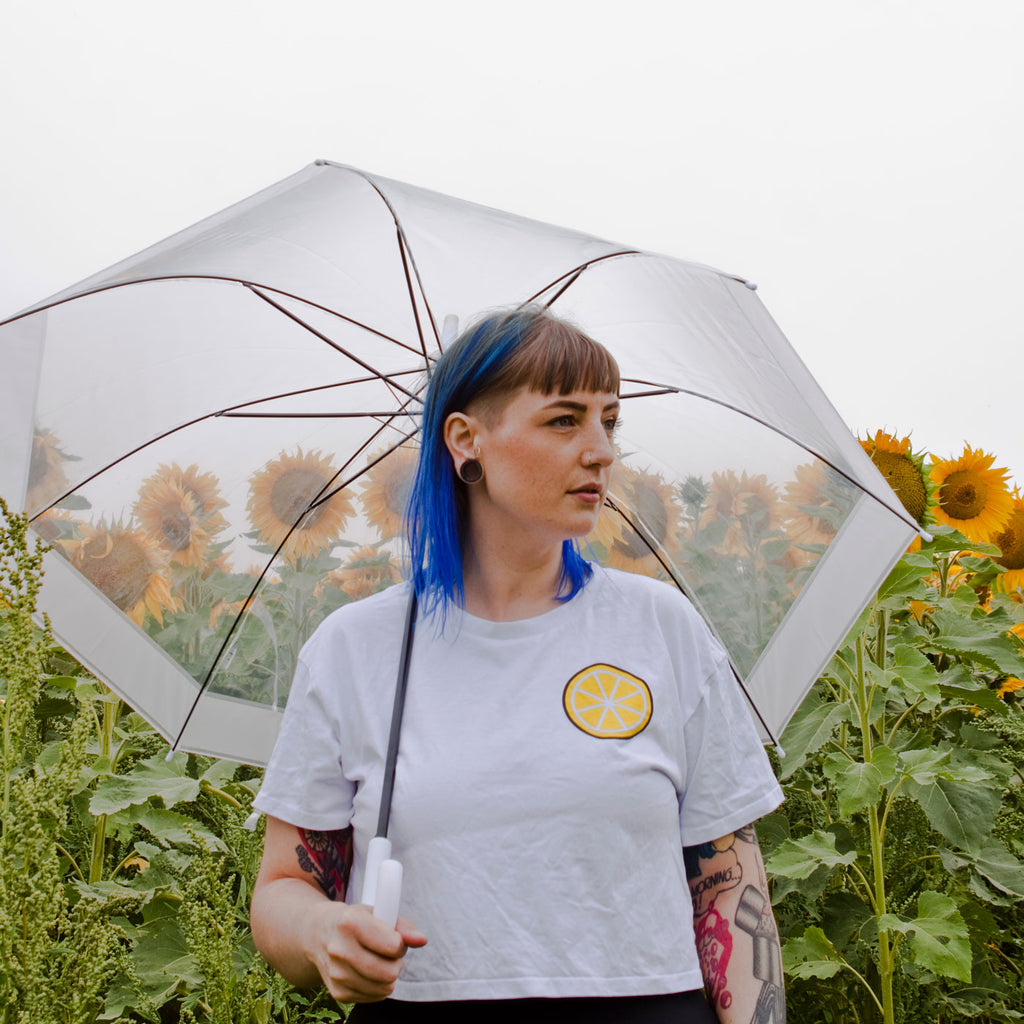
x=607, y=702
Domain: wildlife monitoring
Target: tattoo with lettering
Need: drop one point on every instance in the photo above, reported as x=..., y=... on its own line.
x=327, y=856
x=712, y=870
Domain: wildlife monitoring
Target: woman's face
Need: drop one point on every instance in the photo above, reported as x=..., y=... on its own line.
x=546, y=460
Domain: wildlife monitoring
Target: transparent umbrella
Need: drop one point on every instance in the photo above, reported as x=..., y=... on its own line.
x=216, y=436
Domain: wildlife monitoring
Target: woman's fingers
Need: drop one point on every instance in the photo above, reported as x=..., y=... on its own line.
x=362, y=957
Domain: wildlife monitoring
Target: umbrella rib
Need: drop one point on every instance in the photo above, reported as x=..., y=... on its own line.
x=323, y=337
x=668, y=389
x=318, y=500
x=227, y=413
x=638, y=528
x=311, y=415
x=207, y=277
x=405, y=250
x=575, y=273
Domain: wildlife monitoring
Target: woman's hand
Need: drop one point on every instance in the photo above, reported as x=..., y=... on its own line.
x=357, y=956
x=307, y=933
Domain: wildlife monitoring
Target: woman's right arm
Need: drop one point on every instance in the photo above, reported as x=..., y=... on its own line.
x=304, y=929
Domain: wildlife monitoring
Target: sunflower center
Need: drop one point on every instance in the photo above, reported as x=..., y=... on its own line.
x=963, y=494
x=905, y=479
x=396, y=492
x=176, y=528
x=123, y=574
x=291, y=494
x=1011, y=543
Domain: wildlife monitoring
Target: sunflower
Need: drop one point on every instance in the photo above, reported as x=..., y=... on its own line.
x=904, y=472
x=749, y=503
x=168, y=514
x=1010, y=685
x=805, y=495
x=46, y=477
x=367, y=572
x=973, y=497
x=1010, y=541
x=649, y=499
x=180, y=509
x=385, y=490
x=127, y=567
x=280, y=494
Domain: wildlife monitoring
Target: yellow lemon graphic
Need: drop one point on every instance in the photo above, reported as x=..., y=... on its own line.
x=607, y=702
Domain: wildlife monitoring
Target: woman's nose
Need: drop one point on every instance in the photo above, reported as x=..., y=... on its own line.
x=599, y=450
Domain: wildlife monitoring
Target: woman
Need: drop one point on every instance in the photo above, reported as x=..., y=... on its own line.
x=568, y=731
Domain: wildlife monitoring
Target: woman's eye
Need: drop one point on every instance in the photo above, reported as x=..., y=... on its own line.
x=613, y=424
x=564, y=421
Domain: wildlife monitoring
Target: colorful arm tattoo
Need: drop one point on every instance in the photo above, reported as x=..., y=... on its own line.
x=327, y=856
x=721, y=921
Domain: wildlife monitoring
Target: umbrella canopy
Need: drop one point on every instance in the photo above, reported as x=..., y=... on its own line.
x=217, y=434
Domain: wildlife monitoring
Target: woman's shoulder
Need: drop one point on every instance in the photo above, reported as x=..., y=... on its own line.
x=657, y=603
x=364, y=619
x=616, y=583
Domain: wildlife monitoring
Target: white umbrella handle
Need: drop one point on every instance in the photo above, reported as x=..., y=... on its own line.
x=382, y=881
x=389, y=892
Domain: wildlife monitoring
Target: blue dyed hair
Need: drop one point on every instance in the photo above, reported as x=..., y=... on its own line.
x=491, y=359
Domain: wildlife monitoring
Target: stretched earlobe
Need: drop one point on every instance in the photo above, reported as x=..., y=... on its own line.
x=471, y=472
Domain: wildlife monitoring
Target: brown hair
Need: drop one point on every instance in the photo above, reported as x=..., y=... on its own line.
x=554, y=357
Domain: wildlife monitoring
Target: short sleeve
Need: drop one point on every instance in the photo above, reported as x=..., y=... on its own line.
x=729, y=780
x=304, y=783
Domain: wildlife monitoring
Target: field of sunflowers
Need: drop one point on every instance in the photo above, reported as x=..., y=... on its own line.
x=897, y=859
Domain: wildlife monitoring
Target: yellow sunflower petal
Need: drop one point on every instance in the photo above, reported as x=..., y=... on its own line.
x=646, y=496
x=280, y=494
x=127, y=567
x=973, y=497
x=1010, y=541
x=385, y=490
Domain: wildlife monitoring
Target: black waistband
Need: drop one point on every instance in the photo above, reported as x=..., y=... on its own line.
x=677, y=1008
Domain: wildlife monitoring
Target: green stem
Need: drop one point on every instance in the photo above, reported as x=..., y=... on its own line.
x=864, y=981
x=213, y=791
x=886, y=964
x=885, y=958
x=111, y=714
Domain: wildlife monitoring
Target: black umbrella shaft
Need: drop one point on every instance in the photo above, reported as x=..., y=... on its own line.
x=396, y=718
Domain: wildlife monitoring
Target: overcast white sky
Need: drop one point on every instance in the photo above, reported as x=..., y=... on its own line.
x=863, y=162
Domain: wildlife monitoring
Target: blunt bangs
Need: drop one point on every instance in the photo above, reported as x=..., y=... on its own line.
x=491, y=359
x=554, y=358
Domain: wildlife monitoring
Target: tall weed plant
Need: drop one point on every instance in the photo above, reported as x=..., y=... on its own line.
x=124, y=877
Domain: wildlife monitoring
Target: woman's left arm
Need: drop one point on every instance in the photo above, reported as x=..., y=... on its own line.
x=737, y=939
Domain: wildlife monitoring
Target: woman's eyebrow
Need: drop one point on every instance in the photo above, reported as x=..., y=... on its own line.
x=568, y=403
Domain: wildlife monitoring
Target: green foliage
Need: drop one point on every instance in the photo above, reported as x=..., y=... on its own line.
x=57, y=946
x=897, y=862
x=124, y=877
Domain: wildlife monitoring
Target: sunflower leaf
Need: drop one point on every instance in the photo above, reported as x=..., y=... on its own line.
x=154, y=777
x=858, y=784
x=810, y=729
x=939, y=938
x=945, y=539
x=962, y=812
x=799, y=858
x=993, y=861
x=917, y=672
x=905, y=579
x=811, y=955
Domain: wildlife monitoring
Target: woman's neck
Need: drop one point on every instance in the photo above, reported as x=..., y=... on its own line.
x=504, y=585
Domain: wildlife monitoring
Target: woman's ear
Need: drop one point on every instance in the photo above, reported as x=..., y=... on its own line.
x=460, y=430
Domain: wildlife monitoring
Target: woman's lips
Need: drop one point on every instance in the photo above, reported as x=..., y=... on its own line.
x=589, y=494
